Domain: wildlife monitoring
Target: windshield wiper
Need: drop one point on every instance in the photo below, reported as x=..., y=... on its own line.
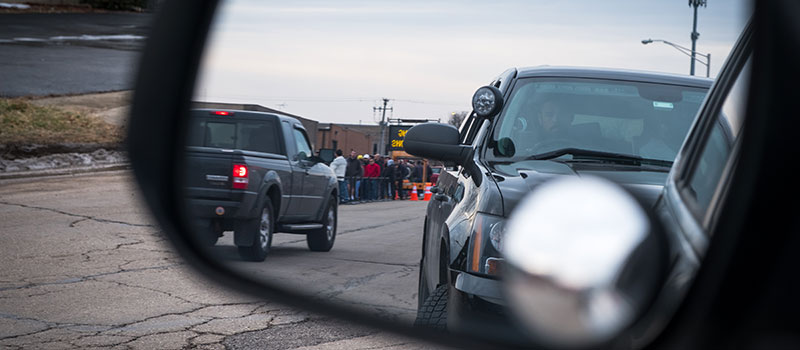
x=586, y=154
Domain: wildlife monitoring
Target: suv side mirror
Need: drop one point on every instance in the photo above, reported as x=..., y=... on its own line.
x=436, y=141
x=440, y=142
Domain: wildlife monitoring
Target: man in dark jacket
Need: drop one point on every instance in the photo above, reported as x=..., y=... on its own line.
x=352, y=172
x=400, y=173
x=416, y=173
x=388, y=174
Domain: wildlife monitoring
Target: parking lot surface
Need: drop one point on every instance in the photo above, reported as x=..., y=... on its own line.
x=85, y=266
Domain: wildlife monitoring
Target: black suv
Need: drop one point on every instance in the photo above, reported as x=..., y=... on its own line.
x=530, y=125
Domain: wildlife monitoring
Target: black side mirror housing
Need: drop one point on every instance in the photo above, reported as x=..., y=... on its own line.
x=436, y=141
x=441, y=142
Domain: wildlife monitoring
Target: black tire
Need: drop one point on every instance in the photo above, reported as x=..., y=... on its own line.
x=261, y=230
x=422, y=286
x=322, y=240
x=433, y=313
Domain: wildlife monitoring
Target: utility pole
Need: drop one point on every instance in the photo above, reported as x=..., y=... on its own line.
x=695, y=34
x=382, y=144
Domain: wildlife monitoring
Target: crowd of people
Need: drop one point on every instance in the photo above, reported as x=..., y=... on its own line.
x=368, y=178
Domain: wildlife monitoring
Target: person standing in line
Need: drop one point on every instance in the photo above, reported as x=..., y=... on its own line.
x=388, y=173
x=339, y=166
x=360, y=178
x=416, y=172
x=351, y=173
x=371, y=173
x=401, y=173
x=428, y=172
x=380, y=193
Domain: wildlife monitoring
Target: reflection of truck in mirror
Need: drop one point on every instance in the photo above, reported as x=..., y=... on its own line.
x=254, y=174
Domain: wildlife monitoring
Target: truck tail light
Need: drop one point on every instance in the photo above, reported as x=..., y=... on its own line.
x=240, y=176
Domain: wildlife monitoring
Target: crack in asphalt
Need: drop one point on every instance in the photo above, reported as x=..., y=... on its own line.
x=119, y=330
x=88, y=277
x=84, y=217
x=375, y=262
x=341, y=233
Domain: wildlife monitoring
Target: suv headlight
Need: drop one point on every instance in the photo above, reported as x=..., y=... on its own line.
x=486, y=245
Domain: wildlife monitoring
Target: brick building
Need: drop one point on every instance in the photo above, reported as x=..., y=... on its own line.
x=372, y=131
x=341, y=136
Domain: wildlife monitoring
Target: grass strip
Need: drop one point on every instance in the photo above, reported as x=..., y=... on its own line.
x=22, y=122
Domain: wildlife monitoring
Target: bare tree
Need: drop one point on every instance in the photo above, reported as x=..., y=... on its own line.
x=457, y=117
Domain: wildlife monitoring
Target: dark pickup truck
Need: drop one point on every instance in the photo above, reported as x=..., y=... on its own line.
x=255, y=174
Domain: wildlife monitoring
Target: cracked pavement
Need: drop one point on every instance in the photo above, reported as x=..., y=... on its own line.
x=84, y=267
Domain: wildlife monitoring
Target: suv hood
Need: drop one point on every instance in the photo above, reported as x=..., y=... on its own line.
x=515, y=180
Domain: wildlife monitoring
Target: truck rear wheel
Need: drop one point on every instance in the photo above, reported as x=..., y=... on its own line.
x=261, y=231
x=321, y=240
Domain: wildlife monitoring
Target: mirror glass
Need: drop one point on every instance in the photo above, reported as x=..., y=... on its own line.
x=556, y=268
x=284, y=85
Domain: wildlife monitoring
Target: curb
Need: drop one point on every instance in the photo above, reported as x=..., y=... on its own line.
x=63, y=171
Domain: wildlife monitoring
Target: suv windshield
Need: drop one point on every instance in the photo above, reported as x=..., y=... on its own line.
x=646, y=120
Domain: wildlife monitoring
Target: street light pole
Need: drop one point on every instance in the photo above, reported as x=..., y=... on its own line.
x=695, y=34
x=688, y=52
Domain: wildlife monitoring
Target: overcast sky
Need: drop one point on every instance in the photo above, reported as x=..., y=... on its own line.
x=334, y=61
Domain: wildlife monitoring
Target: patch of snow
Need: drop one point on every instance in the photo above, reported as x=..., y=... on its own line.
x=118, y=37
x=28, y=39
x=6, y=5
x=98, y=37
x=63, y=160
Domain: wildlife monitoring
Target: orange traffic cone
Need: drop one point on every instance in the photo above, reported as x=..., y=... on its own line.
x=414, y=196
x=428, y=193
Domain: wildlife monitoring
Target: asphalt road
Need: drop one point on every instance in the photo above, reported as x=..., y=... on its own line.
x=84, y=266
x=53, y=54
x=374, y=264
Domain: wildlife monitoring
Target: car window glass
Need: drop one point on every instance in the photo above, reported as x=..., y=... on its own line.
x=640, y=119
x=707, y=174
x=302, y=143
x=258, y=137
x=250, y=135
x=197, y=133
x=220, y=135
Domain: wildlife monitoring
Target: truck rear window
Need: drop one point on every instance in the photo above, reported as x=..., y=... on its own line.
x=249, y=135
